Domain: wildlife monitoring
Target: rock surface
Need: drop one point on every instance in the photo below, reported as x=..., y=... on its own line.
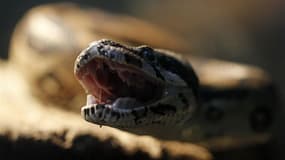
x=31, y=129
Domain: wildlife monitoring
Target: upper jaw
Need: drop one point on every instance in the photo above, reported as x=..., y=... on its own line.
x=112, y=51
x=99, y=49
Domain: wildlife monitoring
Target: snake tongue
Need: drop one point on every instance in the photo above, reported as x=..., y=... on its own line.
x=107, y=81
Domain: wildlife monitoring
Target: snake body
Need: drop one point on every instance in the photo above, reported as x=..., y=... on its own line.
x=156, y=92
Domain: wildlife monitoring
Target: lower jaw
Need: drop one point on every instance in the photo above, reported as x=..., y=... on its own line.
x=119, y=103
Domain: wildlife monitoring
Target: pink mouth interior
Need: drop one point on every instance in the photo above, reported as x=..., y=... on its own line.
x=107, y=81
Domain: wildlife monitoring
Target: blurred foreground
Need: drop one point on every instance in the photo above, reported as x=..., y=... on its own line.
x=28, y=121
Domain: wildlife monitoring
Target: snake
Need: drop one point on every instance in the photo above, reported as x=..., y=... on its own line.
x=124, y=83
x=147, y=84
x=157, y=92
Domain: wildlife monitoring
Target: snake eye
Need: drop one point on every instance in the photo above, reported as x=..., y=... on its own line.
x=148, y=53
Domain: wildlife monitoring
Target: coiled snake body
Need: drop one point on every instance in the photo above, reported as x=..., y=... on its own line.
x=140, y=89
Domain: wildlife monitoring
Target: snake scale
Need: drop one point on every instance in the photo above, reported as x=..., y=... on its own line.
x=141, y=89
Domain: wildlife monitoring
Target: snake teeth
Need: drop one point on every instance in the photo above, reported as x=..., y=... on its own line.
x=119, y=103
x=90, y=99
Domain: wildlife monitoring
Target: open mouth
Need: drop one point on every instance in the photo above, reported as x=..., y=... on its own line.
x=120, y=85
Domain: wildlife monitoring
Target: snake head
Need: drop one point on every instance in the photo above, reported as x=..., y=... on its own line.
x=130, y=87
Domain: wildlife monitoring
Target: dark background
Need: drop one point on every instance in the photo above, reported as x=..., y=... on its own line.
x=247, y=32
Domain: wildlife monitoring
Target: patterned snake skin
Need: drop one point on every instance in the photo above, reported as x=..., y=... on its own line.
x=142, y=85
x=142, y=90
x=156, y=92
